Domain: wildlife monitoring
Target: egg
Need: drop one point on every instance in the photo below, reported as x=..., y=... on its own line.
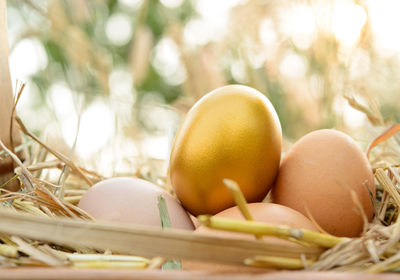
x=132, y=200
x=232, y=132
x=262, y=212
x=319, y=173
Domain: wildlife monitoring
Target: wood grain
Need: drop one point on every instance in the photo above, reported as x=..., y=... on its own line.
x=143, y=240
x=106, y=274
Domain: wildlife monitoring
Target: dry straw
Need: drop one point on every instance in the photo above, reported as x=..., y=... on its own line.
x=39, y=228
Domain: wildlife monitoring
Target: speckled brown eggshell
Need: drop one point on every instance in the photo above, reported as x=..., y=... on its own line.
x=262, y=212
x=319, y=173
x=132, y=200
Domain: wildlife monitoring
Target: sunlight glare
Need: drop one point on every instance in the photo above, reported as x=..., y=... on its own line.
x=61, y=99
x=347, y=22
x=171, y=3
x=28, y=57
x=96, y=129
x=299, y=24
x=293, y=66
x=167, y=61
x=385, y=22
x=119, y=29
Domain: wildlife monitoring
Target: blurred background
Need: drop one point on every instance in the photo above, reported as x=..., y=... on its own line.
x=108, y=82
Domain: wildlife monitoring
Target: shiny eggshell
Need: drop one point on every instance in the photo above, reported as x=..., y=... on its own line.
x=232, y=132
x=319, y=173
x=262, y=212
x=132, y=200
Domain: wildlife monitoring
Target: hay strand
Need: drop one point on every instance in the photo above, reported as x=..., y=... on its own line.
x=257, y=228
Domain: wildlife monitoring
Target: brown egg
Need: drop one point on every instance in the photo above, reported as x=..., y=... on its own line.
x=232, y=132
x=319, y=173
x=262, y=212
x=132, y=200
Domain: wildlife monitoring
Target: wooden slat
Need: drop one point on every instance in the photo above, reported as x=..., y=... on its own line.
x=143, y=241
x=6, y=99
x=108, y=274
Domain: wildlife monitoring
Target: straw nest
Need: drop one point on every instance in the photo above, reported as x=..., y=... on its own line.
x=29, y=238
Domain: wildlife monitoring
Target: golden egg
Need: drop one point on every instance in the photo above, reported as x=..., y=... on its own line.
x=232, y=132
x=327, y=174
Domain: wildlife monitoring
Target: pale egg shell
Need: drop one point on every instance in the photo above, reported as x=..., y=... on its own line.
x=262, y=212
x=132, y=200
x=232, y=132
x=319, y=173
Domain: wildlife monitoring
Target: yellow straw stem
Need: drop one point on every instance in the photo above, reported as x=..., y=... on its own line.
x=240, y=200
x=107, y=261
x=388, y=186
x=28, y=207
x=105, y=258
x=277, y=262
x=111, y=264
x=257, y=228
x=73, y=199
x=8, y=251
x=386, y=265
